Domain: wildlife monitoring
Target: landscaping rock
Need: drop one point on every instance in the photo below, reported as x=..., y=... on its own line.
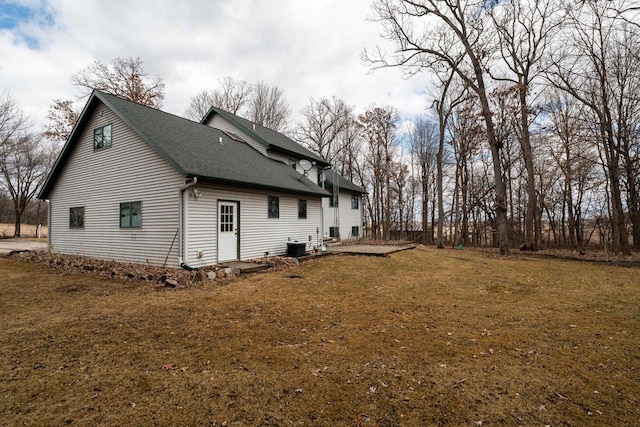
x=220, y=274
x=212, y=275
x=231, y=271
x=170, y=283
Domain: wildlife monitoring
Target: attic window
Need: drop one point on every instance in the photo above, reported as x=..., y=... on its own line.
x=102, y=137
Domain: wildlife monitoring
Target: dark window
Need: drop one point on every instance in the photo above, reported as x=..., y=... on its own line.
x=102, y=137
x=334, y=232
x=302, y=209
x=355, y=231
x=333, y=201
x=131, y=215
x=320, y=177
x=274, y=207
x=292, y=163
x=76, y=217
x=354, y=201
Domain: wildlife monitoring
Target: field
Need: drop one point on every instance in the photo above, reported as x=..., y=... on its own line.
x=7, y=230
x=423, y=337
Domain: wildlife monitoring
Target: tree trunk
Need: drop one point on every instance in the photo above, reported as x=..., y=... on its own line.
x=501, y=190
x=440, y=190
x=532, y=234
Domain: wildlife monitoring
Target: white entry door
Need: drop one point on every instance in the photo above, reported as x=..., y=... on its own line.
x=228, y=236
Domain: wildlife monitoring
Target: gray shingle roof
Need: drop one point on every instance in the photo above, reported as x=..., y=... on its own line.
x=193, y=149
x=269, y=138
x=331, y=175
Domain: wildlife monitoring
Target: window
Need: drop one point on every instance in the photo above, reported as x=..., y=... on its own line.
x=302, y=209
x=355, y=231
x=131, y=215
x=292, y=163
x=226, y=218
x=320, y=177
x=102, y=137
x=76, y=217
x=274, y=207
x=334, y=232
x=354, y=201
x=333, y=201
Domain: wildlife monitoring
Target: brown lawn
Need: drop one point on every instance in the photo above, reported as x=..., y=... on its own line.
x=30, y=230
x=423, y=337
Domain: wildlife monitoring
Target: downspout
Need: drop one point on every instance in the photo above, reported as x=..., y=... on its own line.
x=49, y=228
x=321, y=242
x=181, y=222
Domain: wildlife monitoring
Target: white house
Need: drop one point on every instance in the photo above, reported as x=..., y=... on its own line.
x=136, y=184
x=342, y=212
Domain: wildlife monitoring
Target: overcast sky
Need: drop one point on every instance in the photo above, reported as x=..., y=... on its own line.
x=308, y=48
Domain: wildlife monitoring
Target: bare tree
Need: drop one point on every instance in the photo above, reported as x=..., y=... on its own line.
x=323, y=124
x=583, y=67
x=124, y=77
x=445, y=104
x=268, y=107
x=571, y=152
x=378, y=126
x=424, y=148
x=431, y=34
x=12, y=118
x=199, y=105
x=62, y=118
x=231, y=95
x=24, y=164
x=347, y=158
x=524, y=31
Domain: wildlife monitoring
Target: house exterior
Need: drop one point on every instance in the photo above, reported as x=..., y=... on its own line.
x=136, y=184
x=342, y=212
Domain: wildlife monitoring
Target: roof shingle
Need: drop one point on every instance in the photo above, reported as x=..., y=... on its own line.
x=194, y=150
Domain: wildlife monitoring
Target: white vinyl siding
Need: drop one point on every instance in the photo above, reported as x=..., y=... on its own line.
x=100, y=180
x=258, y=234
x=312, y=174
x=347, y=217
x=219, y=122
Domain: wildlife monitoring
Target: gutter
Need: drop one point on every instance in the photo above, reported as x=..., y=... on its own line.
x=183, y=235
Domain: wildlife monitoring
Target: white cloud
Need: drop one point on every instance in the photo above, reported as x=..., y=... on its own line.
x=309, y=49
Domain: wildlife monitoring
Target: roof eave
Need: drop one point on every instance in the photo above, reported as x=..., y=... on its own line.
x=213, y=180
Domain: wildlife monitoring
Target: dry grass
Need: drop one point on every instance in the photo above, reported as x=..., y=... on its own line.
x=7, y=230
x=424, y=337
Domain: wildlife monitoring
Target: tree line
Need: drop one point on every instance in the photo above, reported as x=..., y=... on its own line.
x=538, y=109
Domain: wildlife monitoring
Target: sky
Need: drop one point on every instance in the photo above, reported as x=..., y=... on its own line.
x=307, y=48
